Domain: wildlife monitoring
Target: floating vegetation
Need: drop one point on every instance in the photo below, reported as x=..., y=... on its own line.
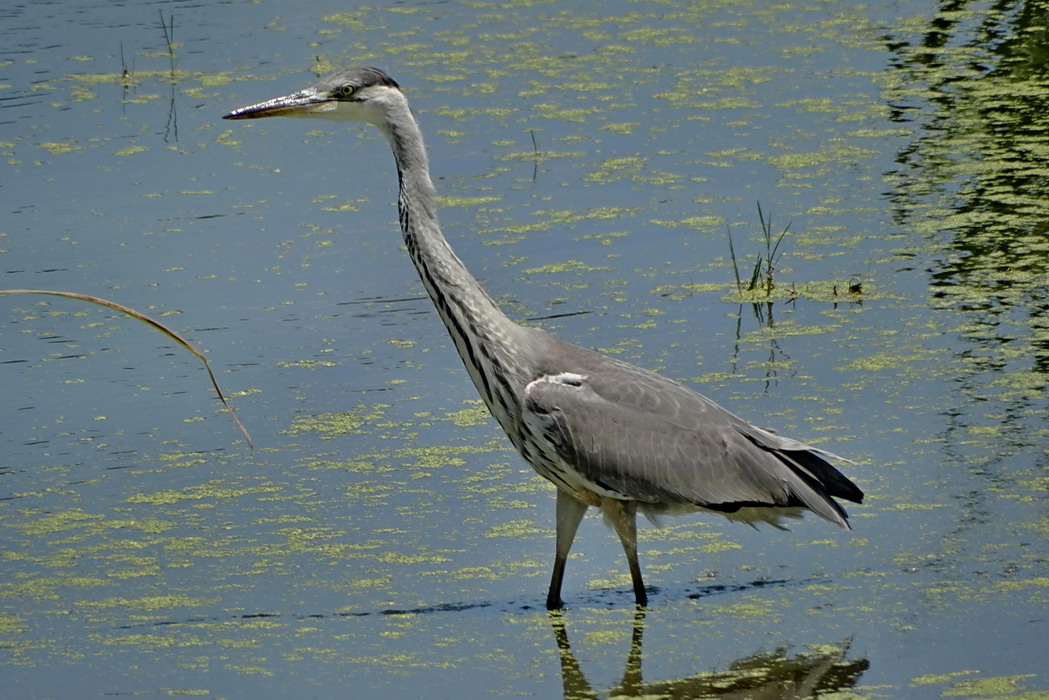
x=331, y=425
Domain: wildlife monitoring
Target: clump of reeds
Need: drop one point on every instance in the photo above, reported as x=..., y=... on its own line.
x=761, y=279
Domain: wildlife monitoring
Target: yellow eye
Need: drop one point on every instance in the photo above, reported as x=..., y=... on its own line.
x=345, y=91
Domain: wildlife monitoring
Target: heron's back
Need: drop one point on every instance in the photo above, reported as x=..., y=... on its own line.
x=625, y=432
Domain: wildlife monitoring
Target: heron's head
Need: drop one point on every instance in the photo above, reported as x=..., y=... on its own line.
x=362, y=94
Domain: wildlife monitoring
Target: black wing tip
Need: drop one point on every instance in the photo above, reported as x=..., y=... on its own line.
x=814, y=466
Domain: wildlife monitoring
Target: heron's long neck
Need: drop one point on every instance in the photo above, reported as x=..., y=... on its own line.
x=487, y=340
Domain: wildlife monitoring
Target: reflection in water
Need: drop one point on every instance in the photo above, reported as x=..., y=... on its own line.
x=763, y=316
x=975, y=89
x=972, y=87
x=171, y=128
x=764, y=319
x=760, y=675
x=973, y=179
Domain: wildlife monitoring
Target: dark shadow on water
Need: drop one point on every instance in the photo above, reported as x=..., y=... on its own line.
x=763, y=674
x=598, y=598
x=624, y=597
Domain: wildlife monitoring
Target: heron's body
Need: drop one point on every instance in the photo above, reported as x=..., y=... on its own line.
x=606, y=433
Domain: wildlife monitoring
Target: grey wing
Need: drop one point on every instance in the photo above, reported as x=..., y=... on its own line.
x=646, y=437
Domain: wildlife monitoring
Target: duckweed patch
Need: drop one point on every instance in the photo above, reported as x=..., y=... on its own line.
x=147, y=604
x=562, y=267
x=477, y=415
x=332, y=425
x=214, y=489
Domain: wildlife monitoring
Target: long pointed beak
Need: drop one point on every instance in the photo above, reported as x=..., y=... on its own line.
x=297, y=104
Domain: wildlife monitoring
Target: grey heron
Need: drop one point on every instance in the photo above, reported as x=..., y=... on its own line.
x=606, y=433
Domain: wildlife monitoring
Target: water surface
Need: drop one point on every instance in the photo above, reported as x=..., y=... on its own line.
x=383, y=537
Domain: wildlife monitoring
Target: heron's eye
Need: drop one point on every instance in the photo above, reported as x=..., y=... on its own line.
x=345, y=91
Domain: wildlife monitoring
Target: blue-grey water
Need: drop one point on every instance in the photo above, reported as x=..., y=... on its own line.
x=382, y=538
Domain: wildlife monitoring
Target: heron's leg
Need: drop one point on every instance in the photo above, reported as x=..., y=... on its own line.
x=569, y=515
x=622, y=516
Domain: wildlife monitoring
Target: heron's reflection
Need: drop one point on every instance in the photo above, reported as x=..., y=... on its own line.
x=762, y=675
